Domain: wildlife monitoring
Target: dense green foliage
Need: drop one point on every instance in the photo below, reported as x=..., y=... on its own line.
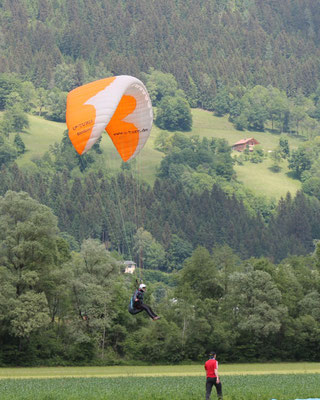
x=187, y=158
x=174, y=208
x=227, y=270
x=174, y=114
x=242, y=42
x=68, y=308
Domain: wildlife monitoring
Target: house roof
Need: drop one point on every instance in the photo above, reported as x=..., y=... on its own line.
x=129, y=263
x=244, y=141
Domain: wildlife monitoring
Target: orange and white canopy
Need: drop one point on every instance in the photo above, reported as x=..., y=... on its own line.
x=120, y=105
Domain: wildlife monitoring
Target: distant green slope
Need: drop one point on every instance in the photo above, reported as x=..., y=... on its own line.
x=205, y=124
x=262, y=181
x=39, y=137
x=258, y=177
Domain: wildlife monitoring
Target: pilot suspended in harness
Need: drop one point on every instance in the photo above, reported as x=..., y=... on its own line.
x=136, y=303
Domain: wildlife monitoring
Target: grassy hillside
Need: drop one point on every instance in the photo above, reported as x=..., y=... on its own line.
x=258, y=177
x=39, y=137
x=261, y=180
x=205, y=124
x=43, y=133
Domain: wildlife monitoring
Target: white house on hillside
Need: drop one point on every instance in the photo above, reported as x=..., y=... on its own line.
x=130, y=267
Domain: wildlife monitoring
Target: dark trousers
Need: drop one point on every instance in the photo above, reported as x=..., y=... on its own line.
x=146, y=308
x=209, y=383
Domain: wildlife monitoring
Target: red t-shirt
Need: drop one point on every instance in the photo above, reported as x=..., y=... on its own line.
x=210, y=366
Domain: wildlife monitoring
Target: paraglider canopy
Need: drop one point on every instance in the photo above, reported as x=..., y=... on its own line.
x=120, y=105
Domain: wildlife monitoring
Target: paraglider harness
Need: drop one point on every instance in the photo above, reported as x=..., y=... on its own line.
x=132, y=309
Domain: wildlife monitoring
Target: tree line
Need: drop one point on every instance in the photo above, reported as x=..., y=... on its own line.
x=236, y=273
x=193, y=202
x=234, y=43
x=260, y=108
x=63, y=307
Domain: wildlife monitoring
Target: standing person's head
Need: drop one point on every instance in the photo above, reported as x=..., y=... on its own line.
x=212, y=354
x=142, y=287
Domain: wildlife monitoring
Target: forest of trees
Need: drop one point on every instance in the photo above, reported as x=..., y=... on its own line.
x=237, y=43
x=187, y=200
x=225, y=269
x=59, y=307
x=64, y=295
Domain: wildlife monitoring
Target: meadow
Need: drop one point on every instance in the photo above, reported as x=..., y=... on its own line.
x=264, y=182
x=258, y=177
x=283, y=381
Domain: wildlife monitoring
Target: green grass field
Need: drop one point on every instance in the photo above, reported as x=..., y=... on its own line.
x=205, y=124
x=283, y=381
x=39, y=137
x=43, y=133
x=159, y=370
x=258, y=177
x=263, y=181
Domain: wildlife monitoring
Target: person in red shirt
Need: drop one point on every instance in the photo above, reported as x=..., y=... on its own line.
x=211, y=366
